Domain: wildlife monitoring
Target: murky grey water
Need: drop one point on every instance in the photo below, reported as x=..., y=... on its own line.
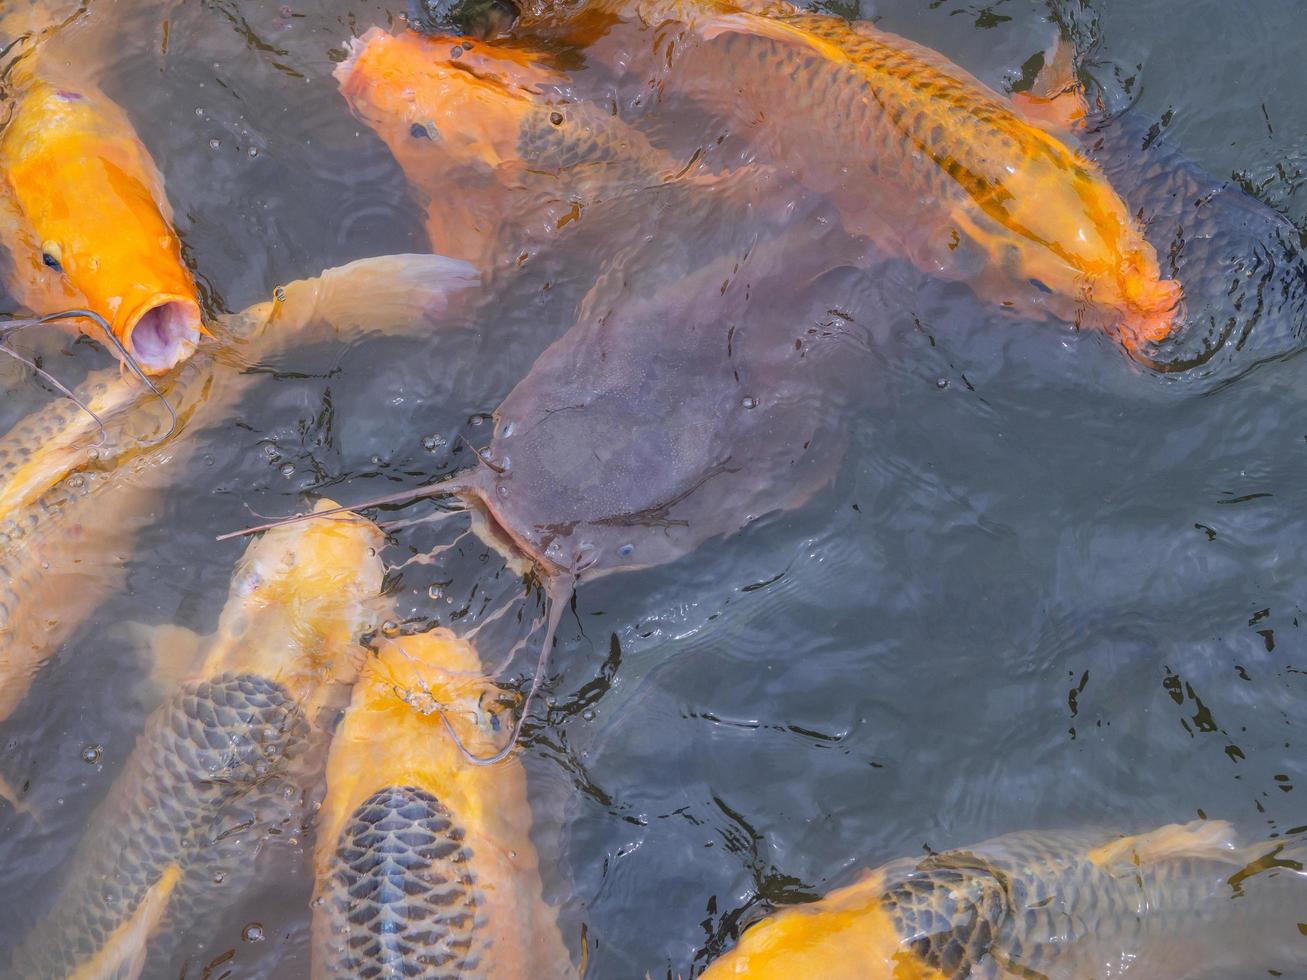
x=1046, y=588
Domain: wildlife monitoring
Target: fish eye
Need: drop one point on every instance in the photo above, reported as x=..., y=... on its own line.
x=51, y=256
x=420, y=132
x=626, y=551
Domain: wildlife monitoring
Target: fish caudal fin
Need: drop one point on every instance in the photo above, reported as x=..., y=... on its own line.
x=1212, y=840
x=123, y=956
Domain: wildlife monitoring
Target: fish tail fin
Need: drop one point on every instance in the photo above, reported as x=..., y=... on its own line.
x=1199, y=839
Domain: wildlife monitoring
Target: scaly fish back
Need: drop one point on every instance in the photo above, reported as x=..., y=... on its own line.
x=399, y=892
x=214, y=744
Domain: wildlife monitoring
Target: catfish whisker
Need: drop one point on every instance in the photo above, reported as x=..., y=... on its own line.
x=555, y=617
x=429, y=557
x=125, y=356
x=444, y=488
x=494, y=617
x=67, y=392
x=439, y=515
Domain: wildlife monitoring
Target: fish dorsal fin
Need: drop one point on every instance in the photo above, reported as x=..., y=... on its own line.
x=1212, y=840
x=1057, y=100
x=741, y=22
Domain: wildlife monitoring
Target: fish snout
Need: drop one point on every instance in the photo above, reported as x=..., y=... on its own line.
x=1151, y=304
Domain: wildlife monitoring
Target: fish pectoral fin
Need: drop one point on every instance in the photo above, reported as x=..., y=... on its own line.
x=1056, y=101
x=174, y=652
x=1212, y=840
x=715, y=25
x=122, y=957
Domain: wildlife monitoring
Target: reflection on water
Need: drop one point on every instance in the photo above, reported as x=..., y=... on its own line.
x=1027, y=583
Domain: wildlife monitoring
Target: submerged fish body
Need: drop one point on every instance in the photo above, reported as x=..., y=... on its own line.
x=227, y=750
x=84, y=219
x=71, y=502
x=491, y=140
x=1174, y=902
x=672, y=414
x=917, y=154
x=425, y=865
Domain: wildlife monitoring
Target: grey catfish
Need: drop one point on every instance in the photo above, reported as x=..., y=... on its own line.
x=688, y=399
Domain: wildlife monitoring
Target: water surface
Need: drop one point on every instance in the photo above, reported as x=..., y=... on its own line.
x=1046, y=587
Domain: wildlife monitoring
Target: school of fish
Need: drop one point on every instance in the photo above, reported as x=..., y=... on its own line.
x=309, y=730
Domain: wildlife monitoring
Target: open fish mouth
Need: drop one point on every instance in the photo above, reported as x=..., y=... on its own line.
x=165, y=334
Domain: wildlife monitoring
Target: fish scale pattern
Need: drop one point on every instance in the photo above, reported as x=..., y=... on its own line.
x=1013, y=909
x=214, y=745
x=400, y=896
x=909, y=106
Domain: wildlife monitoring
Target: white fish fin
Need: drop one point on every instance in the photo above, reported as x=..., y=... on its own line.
x=388, y=294
x=1212, y=840
x=715, y=25
x=356, y=46
x=122, y=957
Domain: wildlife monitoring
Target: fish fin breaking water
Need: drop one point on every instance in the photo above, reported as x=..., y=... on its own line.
x=1199, y=839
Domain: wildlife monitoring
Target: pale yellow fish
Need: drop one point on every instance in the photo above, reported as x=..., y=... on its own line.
x=425, y=865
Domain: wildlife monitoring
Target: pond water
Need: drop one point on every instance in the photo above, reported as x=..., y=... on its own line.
x=1043, y=586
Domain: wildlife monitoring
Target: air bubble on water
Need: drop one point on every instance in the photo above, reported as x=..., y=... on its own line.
x=254, y=151
x=433, y=442
x=941, y=384
x=253, y=933
x=502, y=490
x=93, y=454
x=588, y=714
x=215, y=144
x=390, y=629
x=199, y=112
x=271, y=452
x=749, y=402
x=435, y=592
x=219, y=877
x=288, y=470
x=481, y=418
x=91, y=754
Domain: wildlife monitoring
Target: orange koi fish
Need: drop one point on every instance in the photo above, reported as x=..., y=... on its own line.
x=919, y=155
x=1180, y=899
x=425, y=865
x=84, y=218
x=490, y=138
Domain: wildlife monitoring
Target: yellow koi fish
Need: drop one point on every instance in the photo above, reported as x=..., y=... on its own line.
x=425, y=865
x=71, y=503
x=1180, y=899
x=221, y=752
x=488, y=136
x=919, y=155
x=84, y=218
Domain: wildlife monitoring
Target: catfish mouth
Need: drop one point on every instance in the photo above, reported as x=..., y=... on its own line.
x=164, y=335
